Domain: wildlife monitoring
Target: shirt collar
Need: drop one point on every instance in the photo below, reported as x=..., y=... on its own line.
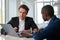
x=21, y=20
x=48, y=21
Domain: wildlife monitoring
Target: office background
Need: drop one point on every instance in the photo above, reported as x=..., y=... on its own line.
x=9, y=9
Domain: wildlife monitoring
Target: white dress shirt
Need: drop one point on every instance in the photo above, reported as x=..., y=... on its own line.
x=21, y=25
x=46, y=23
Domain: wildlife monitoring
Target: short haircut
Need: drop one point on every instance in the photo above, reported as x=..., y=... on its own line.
x=25, y=7
x=49, y=9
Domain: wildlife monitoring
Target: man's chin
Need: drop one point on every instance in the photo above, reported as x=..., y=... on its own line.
x=22, y=18
x=45, y=20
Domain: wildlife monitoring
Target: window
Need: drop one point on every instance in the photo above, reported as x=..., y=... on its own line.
x=38, y=5
x=2, y=11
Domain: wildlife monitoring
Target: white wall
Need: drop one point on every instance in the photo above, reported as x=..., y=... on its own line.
x=59, y=10
x=11, y=9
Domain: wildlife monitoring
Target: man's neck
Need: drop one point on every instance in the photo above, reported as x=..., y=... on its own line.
x=48, y=18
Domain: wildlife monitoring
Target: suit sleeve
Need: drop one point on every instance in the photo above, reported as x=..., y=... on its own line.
x=33, y=25
x=47, y=32
x=11, y=22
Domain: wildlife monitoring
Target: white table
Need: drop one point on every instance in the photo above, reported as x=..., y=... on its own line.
x=8, y=37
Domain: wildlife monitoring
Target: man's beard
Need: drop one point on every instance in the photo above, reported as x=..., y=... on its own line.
x=44, y=19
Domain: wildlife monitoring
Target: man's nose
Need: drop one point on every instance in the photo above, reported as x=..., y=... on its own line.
x=21, y=14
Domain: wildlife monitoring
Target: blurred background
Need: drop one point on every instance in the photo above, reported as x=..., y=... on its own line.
x=9, y=9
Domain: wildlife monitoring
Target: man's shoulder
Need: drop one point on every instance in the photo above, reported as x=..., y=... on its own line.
x=57, y=19
x=29, y=18
x=15, y=17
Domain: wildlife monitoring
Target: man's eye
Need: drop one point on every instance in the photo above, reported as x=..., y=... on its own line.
x=20, y=12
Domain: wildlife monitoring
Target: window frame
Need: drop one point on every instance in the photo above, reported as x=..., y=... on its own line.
x=2, y=12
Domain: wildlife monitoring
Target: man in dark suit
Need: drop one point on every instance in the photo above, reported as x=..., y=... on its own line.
x=52, y=31
x=22, y=23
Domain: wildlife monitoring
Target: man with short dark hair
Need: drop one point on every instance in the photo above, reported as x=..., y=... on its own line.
x=22, y=23
x=52, y=31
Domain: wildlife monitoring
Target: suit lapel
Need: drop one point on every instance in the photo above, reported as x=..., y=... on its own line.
x=25, y=23
x=18, y=23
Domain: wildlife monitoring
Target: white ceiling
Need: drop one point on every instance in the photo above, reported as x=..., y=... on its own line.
x=28, y=0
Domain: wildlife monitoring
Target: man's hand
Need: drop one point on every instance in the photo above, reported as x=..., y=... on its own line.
x=35, y=30
x=25, y=32
x=15, y=28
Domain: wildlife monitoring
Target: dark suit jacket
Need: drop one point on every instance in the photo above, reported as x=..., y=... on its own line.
x=29, y=23
x=51, y=32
